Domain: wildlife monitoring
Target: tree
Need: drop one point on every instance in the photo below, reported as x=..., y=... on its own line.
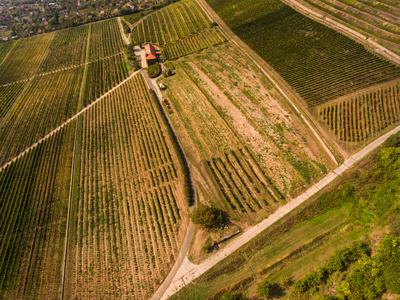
x=209, y=217
x=389, y=256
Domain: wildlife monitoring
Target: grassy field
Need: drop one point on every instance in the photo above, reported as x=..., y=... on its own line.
x=239, y=132
x=360, y=205
x=317, y=62
x=378, y=20
x=180, y=29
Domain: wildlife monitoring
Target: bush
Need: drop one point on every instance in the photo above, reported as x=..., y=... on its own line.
x=389, y=256
x=233, y=296
x=311, y=280
x=154, y=70
x=209, y=217
x=365, y=281
x=342, y=259
x=268, y=289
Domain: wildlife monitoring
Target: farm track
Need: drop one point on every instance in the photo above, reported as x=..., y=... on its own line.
x=280, y=84
x=58, y=128
x=127, y=40
x=329, y=22
x=188, y=271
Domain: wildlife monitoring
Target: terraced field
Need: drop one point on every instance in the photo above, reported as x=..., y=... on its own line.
x=128, y=198
x=33, y=213
x=365, y=114
x=235, y=125
x=319, y=63
x=181, y=28
x=376, y=19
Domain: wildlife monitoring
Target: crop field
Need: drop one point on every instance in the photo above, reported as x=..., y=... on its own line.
x=18, y=65
x=4, y=49
x=104, y=74
x=33, y=214
x=377, y=19
x=67, y=49
x=128, y=200
x=45, y=104
x=105, y=39
x=8, y=95
x=180, y=29
x=192, y=44
x=319, y=63
x=357, y=117
x=238, y=127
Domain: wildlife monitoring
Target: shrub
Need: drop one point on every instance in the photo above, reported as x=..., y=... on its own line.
x=154, y=70
x=389, y=256
x=311, y=280
x=342, y=259
x=267, y=289
x=209, y=217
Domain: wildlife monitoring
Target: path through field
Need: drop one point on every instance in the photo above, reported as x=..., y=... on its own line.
x=188, y=271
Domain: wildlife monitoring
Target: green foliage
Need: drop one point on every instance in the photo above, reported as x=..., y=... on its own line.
x=389, y=256
x=233, y=296
x=268, y=289
x=209, y=217
x=342, y=259
x=311, y=281
x=365, y=281
x=154, y=70
x=168, y=72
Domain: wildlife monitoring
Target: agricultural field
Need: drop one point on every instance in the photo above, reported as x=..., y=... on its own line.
x=364, y=114
x=105, y=40
x=180, y=29
x=4, y=50
x=361, y=206
x=33, y=212
x=102, y=75
x=195, y=43
x=320, y=64
x=8, y=95
x=249, y=149
x=376, y=19
x=20, y=66
x=128, y=199
x=67, y=49
x=46, y=103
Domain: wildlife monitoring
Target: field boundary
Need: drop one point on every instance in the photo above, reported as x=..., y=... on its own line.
x=279, y=83
x=353, y=34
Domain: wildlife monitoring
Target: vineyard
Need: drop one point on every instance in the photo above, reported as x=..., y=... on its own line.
x=18, y=65
x=195, y=43
x=33, y=206
x=66, y=49
x=4, y=50
x=365, y=114
x=180, y=29
x=379, y=20
x=8, y=95
x=104, y=74
x=105, y=39
x=236, y=126
x=319, y=63
x=45, y=104
x=129, y=194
